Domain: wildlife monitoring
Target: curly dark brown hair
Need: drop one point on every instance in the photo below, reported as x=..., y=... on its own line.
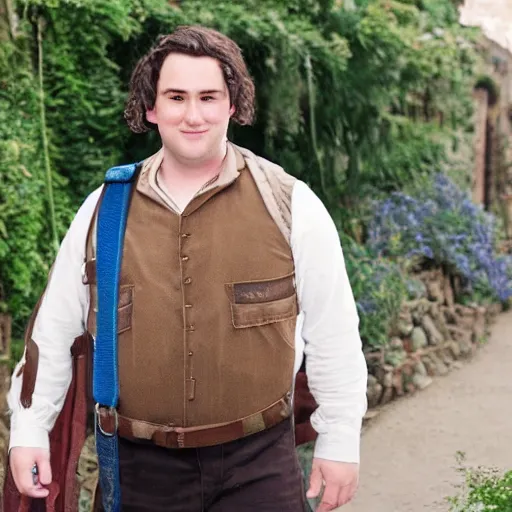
x=196, y=41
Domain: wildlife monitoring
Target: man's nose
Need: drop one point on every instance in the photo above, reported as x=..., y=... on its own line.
x=193, y=113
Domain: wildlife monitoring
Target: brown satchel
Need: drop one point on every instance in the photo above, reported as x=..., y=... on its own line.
x=66, y=441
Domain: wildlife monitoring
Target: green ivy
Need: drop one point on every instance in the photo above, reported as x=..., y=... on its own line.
x=357, y=100
x=24, y=234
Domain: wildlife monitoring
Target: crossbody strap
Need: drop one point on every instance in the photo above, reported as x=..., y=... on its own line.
x=111, y=226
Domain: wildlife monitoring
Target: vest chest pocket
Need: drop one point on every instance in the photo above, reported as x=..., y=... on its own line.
x=255, y=303
x=125, y=301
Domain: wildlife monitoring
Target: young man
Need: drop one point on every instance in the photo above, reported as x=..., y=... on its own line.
x=216, y=275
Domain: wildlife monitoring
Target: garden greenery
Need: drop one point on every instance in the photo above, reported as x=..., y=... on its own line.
x=483, y=489
x=380, y=288
x=359, y=99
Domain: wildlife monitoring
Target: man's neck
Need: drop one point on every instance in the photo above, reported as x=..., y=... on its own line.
x=190, y=171
x=182, y=180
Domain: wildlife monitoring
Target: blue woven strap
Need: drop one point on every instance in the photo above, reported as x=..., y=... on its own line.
x=112, y=216
x=108, y=462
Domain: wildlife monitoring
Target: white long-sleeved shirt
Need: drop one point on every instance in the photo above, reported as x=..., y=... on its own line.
x=327, y=332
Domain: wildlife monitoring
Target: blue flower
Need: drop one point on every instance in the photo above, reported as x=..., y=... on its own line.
x=443, y=224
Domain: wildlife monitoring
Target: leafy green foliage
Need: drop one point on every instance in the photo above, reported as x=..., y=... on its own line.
x=85, y=94
x=483, y=490
x=357, y=100
x=23, y=232
x=380, y=288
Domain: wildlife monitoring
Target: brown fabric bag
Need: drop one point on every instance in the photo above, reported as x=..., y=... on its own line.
x=303, y=406
x=66, y=441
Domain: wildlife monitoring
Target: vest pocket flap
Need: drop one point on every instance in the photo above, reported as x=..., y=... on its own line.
x=255, y=292
x=252, y=315
x=125, y=308
x=124, y=318
x=125, y=296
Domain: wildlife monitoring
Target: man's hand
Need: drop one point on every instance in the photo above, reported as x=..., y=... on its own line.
x=22, y=461
x=340, y=479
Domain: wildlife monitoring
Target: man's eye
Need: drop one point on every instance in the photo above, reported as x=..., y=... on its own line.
x=207, y=98
x=177, y=98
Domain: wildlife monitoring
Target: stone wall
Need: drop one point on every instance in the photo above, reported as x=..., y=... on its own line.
x=433, y=336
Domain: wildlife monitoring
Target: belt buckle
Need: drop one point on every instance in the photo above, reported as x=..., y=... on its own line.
x=109, y=414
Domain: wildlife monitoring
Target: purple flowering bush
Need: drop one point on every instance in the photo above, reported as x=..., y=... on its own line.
x=440, y=225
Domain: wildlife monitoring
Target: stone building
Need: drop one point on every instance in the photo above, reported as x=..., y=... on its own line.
x=492, y=173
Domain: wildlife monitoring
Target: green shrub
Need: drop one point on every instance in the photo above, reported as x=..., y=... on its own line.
x=24, y=240
x=483, y=490
x=380, y=288
x=397, y=87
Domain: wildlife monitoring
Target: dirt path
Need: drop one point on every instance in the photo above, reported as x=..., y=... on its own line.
x=408, y=452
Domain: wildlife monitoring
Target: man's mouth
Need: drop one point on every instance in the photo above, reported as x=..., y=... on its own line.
x=193, y=133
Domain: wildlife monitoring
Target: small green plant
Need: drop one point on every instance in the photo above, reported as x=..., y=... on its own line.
x=380, y=287
x=482, y=490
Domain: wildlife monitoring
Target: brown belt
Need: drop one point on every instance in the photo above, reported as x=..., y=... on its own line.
x=195, y=437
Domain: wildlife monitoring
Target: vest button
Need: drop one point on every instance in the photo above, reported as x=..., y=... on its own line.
x=188, y=280
x=191, y=353
x=184, y=258
x=185, y=235
x=188, y=305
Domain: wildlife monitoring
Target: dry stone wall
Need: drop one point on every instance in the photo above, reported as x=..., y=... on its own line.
x=433, y=335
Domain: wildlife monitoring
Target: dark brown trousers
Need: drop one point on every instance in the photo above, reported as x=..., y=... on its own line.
x=258, y=473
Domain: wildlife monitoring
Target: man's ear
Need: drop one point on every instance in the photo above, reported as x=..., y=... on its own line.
x=151, y=116
x=232, y=110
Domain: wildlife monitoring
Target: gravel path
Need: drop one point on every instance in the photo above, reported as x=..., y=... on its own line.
x=408, y=451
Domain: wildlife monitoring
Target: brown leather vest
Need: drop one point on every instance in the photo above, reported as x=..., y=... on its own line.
x=207, y=309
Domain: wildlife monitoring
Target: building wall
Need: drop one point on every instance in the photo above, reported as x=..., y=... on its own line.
x=481, y=111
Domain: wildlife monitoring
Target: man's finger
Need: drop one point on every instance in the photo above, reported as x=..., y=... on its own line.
x=37, y=492
x=26, y=485
x=346, y=494
x=330, y=497
x=44, y=470
x=315, y=483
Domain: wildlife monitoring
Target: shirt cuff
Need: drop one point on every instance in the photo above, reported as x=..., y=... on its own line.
x=341, y=446
x=25, y=433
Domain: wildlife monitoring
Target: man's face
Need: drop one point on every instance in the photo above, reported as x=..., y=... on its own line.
x=192, y=108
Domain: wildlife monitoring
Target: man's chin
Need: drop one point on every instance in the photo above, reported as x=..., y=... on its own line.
x=196, y=151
